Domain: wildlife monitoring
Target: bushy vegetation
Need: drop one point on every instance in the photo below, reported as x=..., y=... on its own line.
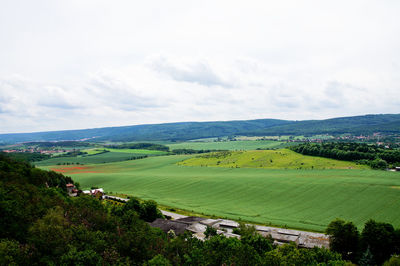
x=41, y=225
x=375, y=156
x=375, y=244
x=28, y=156
x=144, y=146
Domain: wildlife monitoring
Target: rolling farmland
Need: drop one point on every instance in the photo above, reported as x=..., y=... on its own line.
x=228, y=145
x=305, y=199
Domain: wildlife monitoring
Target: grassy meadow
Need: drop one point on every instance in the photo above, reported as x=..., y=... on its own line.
x=99, y=158
x=304, y=199
x=273, y=159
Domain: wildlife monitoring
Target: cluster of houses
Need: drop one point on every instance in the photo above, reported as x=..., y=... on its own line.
x=35, y=150
x=73, y=191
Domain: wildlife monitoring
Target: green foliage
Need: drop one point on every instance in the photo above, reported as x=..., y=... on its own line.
x=377, y=242
x=13, y=253
x=210, y=232
x=344, y=238
x=378, y=164
x=288, y=254
x=51, y=231
x=251, y=237
x=81, y=258
x=381, y=239
x=366, y=259
x=147, y=210
x=145, y=146
x=375, y=156
x=158, y=260
x=28, y=156
x=393, y=261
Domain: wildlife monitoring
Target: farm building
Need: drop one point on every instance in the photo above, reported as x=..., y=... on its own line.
x=98, y=192
x=71, y=189
x=167, y=226
x=197, y=226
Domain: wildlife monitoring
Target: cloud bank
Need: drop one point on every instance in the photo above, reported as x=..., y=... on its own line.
x=70, y=65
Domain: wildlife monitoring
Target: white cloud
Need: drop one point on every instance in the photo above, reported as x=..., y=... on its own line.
x=80, y=64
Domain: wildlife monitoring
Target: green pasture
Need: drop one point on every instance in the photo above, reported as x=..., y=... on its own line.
x=273, y=159
x=228, y=145
x=138, y=151
x=93, y=151
x=107, y=157
x=135, y=151
x=304, y=199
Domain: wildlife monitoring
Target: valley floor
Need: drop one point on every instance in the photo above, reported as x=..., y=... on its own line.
x=303, y=199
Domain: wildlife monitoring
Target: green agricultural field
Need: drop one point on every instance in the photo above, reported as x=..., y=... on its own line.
x=138, y=151
x=107, y=157
x=305, y=199
x=273, y=159
x=228, y=145
x=93, y=151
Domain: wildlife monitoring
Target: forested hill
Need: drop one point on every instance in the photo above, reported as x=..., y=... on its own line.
x=387, y=123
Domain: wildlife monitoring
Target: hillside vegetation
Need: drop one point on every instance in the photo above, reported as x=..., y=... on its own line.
x=373, y=155
x=388, y=123
x=272, y=159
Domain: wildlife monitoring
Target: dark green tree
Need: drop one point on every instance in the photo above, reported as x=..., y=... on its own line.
x=344, y=238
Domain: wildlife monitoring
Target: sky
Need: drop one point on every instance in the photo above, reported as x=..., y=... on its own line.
x=93, y=63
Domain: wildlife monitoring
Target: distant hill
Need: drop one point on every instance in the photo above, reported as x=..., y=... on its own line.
x=367, y=124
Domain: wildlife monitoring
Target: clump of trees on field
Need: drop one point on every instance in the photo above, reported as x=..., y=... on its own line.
x=373, y=246
x=41, y=225
x=144, y=146
x=373, y=155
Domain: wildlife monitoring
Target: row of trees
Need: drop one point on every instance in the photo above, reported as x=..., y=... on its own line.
x=374, y=245
x=373, y=155
x=146, y=146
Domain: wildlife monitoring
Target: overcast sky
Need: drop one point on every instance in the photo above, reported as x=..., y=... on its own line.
x=90, y=63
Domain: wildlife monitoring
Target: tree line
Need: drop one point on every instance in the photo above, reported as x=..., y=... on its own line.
x=373, y=155
x=144, y=146
x=373, y=246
